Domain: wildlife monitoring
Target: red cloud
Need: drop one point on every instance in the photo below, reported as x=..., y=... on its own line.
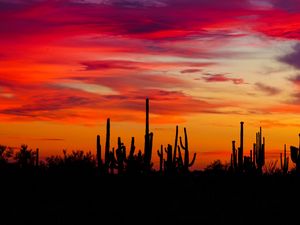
x=222, y=78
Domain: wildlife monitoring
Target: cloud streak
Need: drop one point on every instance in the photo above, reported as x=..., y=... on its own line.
x=222, y=78
x=269, y=90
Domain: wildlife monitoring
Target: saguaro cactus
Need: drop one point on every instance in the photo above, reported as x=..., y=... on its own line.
x=260, y=150
x=133, y=164
x=284, y=162
x=241, y=148
x=160, y=154
x=132, y=149
x=233, y=157
x=107, y=144
x=175, y=147
x=121, y=156
x=186, y=163
x=295, y=156
x=168, y=164
x=98, y=153
x=148, y=140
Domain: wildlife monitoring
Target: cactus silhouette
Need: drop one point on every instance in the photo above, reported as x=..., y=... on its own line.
x=132, y=149
x=186, y=163
x=295, y=156
x=284, y=162
x=237, y=156
x=107, y=145
x=148, y=141
x=98, y=153
x=168, y=163
x=175, y=146
x=233, y=160
x=241, y=148
x=112, y=161
x=121, y=156
x=259, y=151
x=160, y=154
x=132, y=165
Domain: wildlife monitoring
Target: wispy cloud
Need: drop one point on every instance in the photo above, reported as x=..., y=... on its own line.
x=222, y=78
x=269, y=90
x=190, y=71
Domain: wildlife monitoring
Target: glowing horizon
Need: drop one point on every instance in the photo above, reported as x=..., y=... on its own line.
x=66, y=66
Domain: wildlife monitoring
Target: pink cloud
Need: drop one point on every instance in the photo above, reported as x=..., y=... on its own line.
x=222, y=78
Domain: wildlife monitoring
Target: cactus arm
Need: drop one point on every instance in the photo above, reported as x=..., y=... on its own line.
x=180, y=162
x=158, y=153
x=175, y=146
x=193, y=160
x=185, y=138
x=181, y=144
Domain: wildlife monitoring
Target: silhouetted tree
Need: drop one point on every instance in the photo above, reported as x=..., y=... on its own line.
x=25, y=157
x=75, y=161
x=5, y=154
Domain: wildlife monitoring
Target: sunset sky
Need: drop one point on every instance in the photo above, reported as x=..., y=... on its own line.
x=67, y=65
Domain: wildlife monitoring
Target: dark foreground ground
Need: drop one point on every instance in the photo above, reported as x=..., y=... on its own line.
x=45, y=199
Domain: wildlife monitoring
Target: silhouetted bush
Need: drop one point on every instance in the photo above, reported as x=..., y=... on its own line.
x=25, y=157
x=6, y=153
x=75, y=161
x=217, y=168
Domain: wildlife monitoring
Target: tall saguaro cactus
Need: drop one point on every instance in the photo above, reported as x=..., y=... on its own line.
x=175, y=146
x=107, y=144
x=148, y=140
x=284, y=162
x=98, y=153
x=186, y=163
x=241, y=148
